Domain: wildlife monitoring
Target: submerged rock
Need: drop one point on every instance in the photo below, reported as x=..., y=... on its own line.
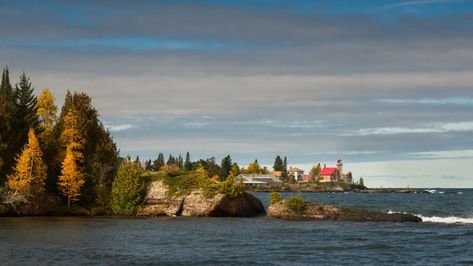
x=329, y=212
x=159, y=202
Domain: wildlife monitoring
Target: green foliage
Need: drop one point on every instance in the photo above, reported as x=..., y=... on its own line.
x=284, y=170
x=254, y=168
x=274, y=197
x=226, y=166
x=315, y=171
x=127, y=189
x=278, y=164
x=296, y=204
x=159, y=162
x=188, y=162
x=230, y=187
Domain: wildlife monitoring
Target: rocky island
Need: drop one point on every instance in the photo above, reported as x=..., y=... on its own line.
x=296, y=208
x=160, y=202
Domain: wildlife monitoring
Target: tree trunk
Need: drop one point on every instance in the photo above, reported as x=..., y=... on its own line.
x=68, y=202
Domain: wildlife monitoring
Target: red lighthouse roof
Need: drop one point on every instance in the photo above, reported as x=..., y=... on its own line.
x=327, y=171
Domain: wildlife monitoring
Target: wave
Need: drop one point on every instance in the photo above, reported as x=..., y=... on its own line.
x=444, y=220
x=447, y=220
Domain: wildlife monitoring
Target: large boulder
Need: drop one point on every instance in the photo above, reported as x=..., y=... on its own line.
x=159, y=202
x=329, y=212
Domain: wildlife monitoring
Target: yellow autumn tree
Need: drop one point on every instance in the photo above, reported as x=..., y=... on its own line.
x=73, y=137
x=46, y=111
x=30, y=171
x=71, y=179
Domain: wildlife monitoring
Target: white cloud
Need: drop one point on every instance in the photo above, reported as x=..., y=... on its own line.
x=420, y=2
x=465, y=101
x=456, y=154
x=428, y=128
x=122, y=127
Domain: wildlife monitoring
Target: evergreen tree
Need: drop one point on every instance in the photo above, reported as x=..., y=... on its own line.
x=126, y=189
x=25, y=99
x=100, y=154
x=5, y=133
x=170, y=160
x=148, y=165
x=188, y=163
x=10, y=144
x=284, y=169
x=137, y=163
x=226, y=167
x=180, y=162
x=278, y=164
x=71, y=179
x=361, y=182
x=159, y=162
x=6, y=91
x=30, y=171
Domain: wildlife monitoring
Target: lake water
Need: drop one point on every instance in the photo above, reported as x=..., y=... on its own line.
x=445, y=238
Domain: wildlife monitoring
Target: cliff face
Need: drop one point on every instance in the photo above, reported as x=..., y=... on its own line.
x=330, y=212
x=158, y=202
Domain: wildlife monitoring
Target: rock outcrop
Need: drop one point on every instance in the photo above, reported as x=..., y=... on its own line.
x=159, y=202
x=329, y=212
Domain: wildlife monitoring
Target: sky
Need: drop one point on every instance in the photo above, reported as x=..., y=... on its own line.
x=387, y=86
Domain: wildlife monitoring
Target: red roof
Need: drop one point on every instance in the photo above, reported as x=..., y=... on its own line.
x=327, y=171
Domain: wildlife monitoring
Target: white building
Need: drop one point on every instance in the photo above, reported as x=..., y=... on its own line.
x=260, y=180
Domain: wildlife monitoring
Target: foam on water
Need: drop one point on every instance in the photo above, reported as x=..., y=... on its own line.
x=438, y=219
x=447, y=220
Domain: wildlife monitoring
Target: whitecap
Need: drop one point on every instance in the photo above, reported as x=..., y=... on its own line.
x=447, y=220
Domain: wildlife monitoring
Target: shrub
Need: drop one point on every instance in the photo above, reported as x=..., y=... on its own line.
x=126, y=189
x=274, y=197
x=230, y=187
x=296, y=204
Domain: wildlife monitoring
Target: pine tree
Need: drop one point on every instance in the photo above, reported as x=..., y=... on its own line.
x=46, y=112
x=188, y=163
x=6, y=91
x=126, y=188
x=284, y=169
x=226, y=167
x=159, y=162
x=10, y=144
x=30, y=171
x=170, y=160
x=278, y=164
x=26, y=104
x=180, y=162
x=71, y=179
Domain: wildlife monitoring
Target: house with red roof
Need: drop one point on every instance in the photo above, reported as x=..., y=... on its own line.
x=328, y=174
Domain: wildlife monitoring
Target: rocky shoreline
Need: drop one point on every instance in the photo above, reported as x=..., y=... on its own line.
x=312, y=212
x=159, y=202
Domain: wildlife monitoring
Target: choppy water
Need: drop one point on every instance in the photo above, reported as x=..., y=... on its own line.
x=446, y=237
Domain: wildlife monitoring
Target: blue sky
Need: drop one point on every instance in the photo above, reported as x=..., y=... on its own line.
x=385, y=85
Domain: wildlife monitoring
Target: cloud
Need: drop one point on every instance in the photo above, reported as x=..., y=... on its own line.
x=455, y=154
x=420, y=2
x=464, y=101
x=453, y=177
x=117, y=128
x=429, y=128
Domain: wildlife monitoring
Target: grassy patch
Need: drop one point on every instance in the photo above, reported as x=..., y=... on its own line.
x=296, y=204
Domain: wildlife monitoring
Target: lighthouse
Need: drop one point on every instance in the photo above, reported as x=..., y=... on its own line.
x=340, y=169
